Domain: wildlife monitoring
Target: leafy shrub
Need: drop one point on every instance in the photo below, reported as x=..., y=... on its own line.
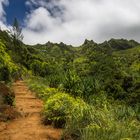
x=72, y=83
x=55, y=80
x=58, y=108
x=7, y=94
x=7, y=67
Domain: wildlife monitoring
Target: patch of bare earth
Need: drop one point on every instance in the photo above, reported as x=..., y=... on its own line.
x=28, y=126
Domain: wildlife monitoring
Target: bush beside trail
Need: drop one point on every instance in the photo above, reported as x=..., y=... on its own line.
x=7, y=96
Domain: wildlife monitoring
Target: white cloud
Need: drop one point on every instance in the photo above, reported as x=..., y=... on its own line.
x=2, y=2
x=2, y=14
x=80, y=19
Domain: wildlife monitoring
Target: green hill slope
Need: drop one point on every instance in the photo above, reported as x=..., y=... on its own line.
x=113, y=64
x=92, y=91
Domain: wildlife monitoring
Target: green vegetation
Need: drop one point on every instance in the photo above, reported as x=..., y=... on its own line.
x=91, y=91
x=103, y=119
x=7, y=66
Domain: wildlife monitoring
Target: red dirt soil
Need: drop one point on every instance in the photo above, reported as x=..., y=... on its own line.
x=28, y=126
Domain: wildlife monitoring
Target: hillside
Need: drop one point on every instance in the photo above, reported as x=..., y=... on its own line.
x=92, y=91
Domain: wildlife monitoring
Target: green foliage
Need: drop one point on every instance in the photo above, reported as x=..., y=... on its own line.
x=102, y=119
x=71, y=82
x=101, y=81
x=39, y=86
x=7, y=67
x=57, y=109
x=36, y=67
x=103, y=123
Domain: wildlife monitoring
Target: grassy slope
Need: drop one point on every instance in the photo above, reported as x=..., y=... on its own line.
x=96, y=86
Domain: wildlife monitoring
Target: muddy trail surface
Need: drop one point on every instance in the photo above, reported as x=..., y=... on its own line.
x=28, y=126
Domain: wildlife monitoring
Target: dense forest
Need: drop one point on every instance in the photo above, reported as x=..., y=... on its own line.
x=92, y=91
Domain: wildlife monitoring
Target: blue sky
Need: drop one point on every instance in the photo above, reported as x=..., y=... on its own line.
x=16, y=8
x=72, y=21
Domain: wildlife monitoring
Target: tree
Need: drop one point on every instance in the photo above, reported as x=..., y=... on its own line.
x=16, y=31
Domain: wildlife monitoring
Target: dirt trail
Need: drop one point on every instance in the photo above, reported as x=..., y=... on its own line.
x=28, y=126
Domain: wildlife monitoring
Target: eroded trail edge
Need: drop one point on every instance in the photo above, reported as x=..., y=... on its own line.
x=28, y=126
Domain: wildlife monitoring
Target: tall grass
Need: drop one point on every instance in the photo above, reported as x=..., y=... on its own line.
x=116, y=123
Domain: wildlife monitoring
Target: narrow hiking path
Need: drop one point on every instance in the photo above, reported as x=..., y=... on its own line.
x=28, y=126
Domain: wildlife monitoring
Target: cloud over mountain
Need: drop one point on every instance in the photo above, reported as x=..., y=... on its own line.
x=71, y=21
